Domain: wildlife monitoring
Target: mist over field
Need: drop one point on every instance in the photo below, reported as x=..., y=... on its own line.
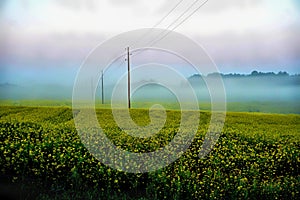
x=239, y=88
x=254, y=88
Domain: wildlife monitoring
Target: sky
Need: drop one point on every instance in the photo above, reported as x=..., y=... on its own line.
x=45, y=42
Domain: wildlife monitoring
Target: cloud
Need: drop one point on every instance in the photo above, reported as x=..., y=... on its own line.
x=78, y=4
x=124, y=3
x=219, y=6
x=210, y=6
x=49, y=48
x=244, y=31
x=281, y=48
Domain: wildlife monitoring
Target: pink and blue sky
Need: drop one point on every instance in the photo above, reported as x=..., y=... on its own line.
x=46, y=41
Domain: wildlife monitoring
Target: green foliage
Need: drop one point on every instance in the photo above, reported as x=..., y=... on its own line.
x=257, y=156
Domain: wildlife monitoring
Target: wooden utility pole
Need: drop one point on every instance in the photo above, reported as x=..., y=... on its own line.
x=102, y=87
x=92, y=92
x=128, y=71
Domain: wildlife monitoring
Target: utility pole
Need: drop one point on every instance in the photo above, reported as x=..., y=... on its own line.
x=92, y=92
x=102, y=87
x=128, y=71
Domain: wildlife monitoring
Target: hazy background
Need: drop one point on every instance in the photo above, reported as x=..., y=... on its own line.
x=43, y=44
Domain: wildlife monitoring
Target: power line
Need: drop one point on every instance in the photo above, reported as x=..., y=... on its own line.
x=167, y=32
x=186, y=18
x=159, y=22
x=182, y=14
x=155, y=40
x=190, y=15
x=102, y=78
x=171, y=24
x=168, y=13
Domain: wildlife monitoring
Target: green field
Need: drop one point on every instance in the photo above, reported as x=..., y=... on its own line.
x=283, y=107
x=42, y=157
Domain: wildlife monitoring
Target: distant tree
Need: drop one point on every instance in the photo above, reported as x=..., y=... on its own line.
x=270, y=74
x=282, y=73
x=195, y=76
x=214, y=74
x=254, y=73
x=235, y=75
